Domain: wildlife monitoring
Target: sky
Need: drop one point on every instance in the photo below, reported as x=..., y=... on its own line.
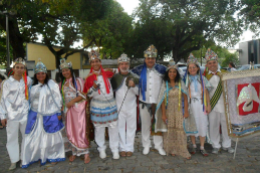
x=130, y=5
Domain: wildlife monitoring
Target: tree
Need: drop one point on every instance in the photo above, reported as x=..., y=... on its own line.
x=181, y=26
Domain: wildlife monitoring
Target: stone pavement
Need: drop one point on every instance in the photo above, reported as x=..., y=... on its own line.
x=247, y=160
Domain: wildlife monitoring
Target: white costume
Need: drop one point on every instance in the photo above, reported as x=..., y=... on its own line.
x=14, y=107
x=217, y=118
x=43, y=140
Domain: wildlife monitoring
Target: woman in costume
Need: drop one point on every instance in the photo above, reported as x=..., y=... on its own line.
x=198, y=87
x=170, y=114
x=43, y=140
x=74, y=108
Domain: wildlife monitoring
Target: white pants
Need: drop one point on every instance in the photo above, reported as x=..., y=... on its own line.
x=215, y=120
x=146, y=119
x=113, y=138
x=127, y=128
x=12, y=145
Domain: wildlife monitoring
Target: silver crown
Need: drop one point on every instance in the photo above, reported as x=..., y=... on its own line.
x=123, y=58
x=150, y=52
x=64, y=64
x=40, y=67
x=19, y=60
x=171, y=65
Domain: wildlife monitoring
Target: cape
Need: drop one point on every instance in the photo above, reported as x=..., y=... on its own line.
x=118, y=79
x=161, y=69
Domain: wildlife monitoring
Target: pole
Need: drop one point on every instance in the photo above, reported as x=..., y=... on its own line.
x=7, y=44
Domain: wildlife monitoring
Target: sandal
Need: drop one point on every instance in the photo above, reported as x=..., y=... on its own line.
x=87, y=158
x=173, y=155
x=54, y=163
x=188, y=158
x=122, y=153
x=193, y=150
x=129, y=154
x=72, y=158
x=204, y=153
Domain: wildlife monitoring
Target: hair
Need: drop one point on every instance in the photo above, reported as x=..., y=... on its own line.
x=198, y=72
x=232, y=64
x=63, y=78
x=166, y=76
x=35, y=80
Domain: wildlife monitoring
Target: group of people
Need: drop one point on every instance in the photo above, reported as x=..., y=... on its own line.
x=52, y=117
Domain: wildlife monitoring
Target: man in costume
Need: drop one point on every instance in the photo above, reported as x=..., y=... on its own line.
x=103, y=108
x=217, y=115
x=125, y=86
x=14, y=108
x=150, y=74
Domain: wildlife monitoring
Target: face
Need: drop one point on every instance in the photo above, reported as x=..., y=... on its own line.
x=212, y=65
x=66, y=73
x=41, y=76
x=193, y=69
x=95, y=64
x=172, y=74
x=124, y=67
x=19, y=69
x=149, y=62
x=229, y=66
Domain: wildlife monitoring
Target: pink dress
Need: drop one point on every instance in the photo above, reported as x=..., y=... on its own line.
x=75, y=119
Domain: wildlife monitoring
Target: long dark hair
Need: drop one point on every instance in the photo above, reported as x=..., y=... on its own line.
x=198, y=72
x=232, y=64
x=35, y=80
x=166, y=76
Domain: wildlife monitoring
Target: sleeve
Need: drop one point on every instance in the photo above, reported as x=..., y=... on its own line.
x=56, y=93
x=207, y=84
x=80, y=83
x=4, y=91
x=135, y=90
x=88, y=87
x=29, y=81
x=184, y=88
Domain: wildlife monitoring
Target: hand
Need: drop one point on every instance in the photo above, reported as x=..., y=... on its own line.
x=59, y=117
x=70, y=104
x=4, y=122
x=164, y=118
x=208, y=109
x=95, y=85
x=186, y=115
x=131, y=83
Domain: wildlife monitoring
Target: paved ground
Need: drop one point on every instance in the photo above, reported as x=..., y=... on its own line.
x=247, y=160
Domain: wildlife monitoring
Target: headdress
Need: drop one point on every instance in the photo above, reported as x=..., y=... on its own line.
x=40, y=67
x=19, y=60
x=123, y=58
x=211, y=55
x=192, y=59
x=93, y=55
x=64, y=64
x=150, y=52
x=172, y=65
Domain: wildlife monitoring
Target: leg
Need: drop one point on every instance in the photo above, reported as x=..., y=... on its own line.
x=130, y=133
x=100, y=138
x=145, y=126
x=122, y=130
x=214, y=122
x=22, y=126
x=12, y=144
x=113, y=139
x=193, y=148
x=226, y=141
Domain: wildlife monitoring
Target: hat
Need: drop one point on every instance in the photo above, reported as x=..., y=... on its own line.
x=211, y=55
x=192, y=59
x=19, y=60
x=150, y=52
x=93, y=55
x=40, y=67
x=64, y=64
x=171, y=65
x=123, y=58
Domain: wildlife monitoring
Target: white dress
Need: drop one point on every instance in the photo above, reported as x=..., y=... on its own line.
x=41, y=143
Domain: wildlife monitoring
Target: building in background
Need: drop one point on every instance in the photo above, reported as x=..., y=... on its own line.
x=249, y=51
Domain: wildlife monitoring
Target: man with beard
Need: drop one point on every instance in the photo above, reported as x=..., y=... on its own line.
x=125, y=86
x=103, y=110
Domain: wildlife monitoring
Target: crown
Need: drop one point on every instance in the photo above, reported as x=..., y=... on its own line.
x=192, y=59
x=93, y=55
x=64, y=64
x=171, y=65
x=19, y=60
x=123, y=58
x=40, y=67
x=211, y=55
x=150, y=52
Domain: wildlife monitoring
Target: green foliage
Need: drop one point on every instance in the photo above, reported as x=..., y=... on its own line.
x=227, y=57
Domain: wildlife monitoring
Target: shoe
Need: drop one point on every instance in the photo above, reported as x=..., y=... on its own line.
x=129, y=154
x=116, y=155
x=122, y=153
x=102, y=154
x=146, y=150
x=161, y=152
x=72, y=158
x=12, y=167
x=193, y=150
x=204, y=153
x=229, y=149
x=215, y=150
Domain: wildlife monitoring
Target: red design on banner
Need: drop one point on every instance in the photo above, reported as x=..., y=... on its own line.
x=255, y=103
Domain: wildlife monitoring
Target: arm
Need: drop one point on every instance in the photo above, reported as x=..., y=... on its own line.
x=186, y=112
x=164, y=117
x=208, y=108
x=72, y=102
x=3, y=110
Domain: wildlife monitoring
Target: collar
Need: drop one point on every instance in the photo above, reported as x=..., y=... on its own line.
x=213, y=72
x=13, y=79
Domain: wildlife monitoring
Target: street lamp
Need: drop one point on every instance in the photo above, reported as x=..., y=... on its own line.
x=7, y=13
